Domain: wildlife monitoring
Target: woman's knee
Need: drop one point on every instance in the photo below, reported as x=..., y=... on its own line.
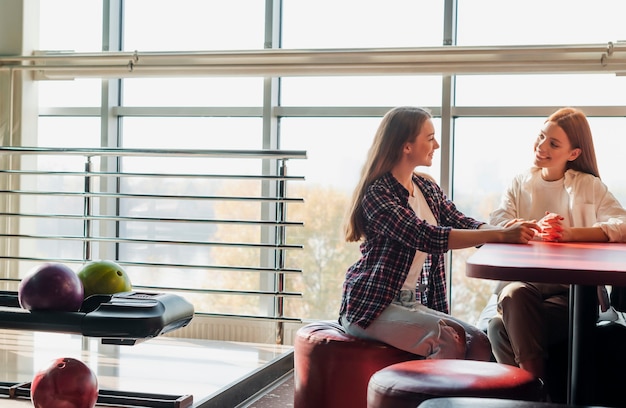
x=478, y=346
x=518, y=293
x=451, y=342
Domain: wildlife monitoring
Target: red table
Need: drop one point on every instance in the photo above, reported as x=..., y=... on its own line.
x=583, y=265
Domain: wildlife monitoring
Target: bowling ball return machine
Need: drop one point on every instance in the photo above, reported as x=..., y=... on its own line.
x=122, y=318
x=125, y=318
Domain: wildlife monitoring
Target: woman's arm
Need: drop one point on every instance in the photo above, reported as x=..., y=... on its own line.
x=387, y=218
x=588, y=234
x=611, y=216
x=518, y=233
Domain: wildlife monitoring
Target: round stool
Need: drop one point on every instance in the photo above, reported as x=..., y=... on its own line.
x=473, y=402
x=407, y=384
x=332, y=368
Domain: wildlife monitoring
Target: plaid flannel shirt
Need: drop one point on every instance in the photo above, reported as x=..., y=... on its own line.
x=393, y=234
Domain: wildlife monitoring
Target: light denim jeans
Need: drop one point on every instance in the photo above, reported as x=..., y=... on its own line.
x=411, y=326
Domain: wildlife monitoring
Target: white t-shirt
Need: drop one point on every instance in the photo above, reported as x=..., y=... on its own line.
x=549, y=196
x=422, y=210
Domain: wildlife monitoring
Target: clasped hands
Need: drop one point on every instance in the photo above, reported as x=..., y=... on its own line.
x=550, y=226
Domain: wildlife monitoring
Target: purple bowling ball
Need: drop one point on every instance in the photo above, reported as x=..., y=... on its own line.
x=51, y=286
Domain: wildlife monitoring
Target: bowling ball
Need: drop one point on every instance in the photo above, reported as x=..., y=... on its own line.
x=104, y=278
x=51, y=286
x=65, y=383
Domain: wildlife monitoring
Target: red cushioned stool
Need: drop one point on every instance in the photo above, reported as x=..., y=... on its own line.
x=332, y=368
x=409, y=383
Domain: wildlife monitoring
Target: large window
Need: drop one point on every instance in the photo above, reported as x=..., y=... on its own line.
x=493, y=22
x=193, y=25
x=485, y=122
x=320, y=24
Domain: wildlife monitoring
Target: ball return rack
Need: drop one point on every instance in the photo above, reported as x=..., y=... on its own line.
x=125, y=318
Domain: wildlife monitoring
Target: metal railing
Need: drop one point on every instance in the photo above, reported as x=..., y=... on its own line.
x=94, y=219
x=609, y=57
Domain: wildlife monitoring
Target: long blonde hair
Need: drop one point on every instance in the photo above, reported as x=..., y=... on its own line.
x=575, y=125
x=399, y=126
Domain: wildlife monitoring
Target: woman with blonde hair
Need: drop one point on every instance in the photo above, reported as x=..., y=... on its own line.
x=396, y=292
x=564, y=192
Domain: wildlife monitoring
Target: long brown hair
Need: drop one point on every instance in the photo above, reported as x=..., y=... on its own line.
x=575, y=125
x=399, y=126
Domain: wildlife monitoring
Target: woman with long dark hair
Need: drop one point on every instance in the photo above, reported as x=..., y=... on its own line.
x=396, y=292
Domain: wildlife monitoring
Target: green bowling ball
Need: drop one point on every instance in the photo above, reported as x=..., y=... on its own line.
x=104, y=277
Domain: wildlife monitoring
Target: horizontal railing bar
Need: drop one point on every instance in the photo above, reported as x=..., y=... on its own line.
x=122, y=152
x=161, y=111
x=293, y=56
x=336, y=111
x=173, y=111
x=221, y=291
x=453, y=60
x=151, y=219
x=493, y=66
x=151, y=196
x=150, y=241
x=250, y=317
x=147, y=175
x=200, y=291
x=162, y=265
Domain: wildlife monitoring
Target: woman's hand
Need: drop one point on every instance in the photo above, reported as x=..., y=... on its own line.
x=515, y=221
x=520, y=231
x=552, y=228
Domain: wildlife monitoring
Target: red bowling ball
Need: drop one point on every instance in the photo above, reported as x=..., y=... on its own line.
x=65, y=383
